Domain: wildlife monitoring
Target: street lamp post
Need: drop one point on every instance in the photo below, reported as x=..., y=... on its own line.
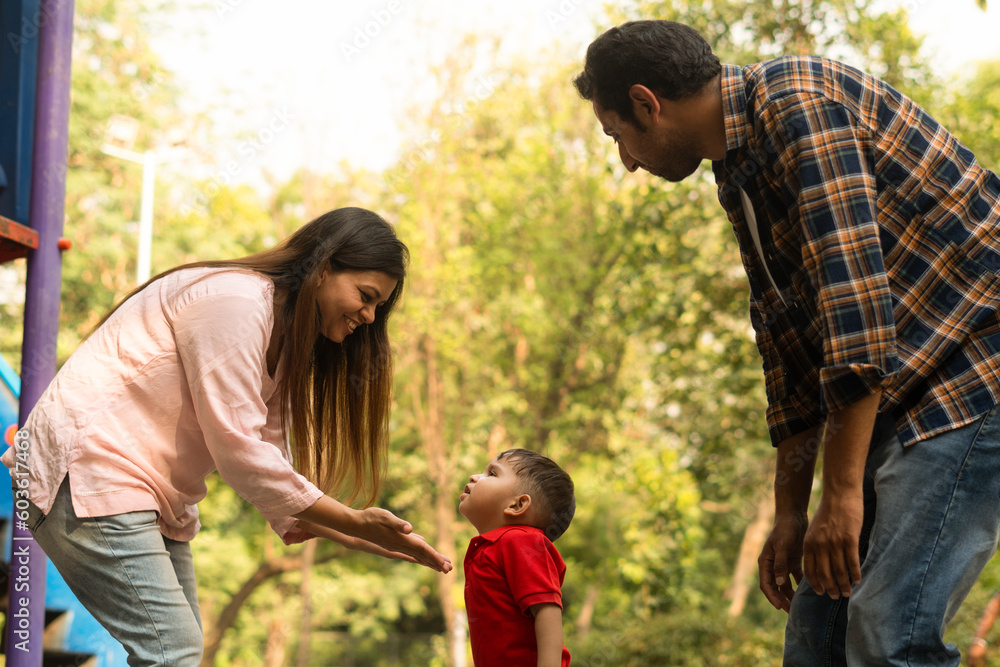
x=148, y=162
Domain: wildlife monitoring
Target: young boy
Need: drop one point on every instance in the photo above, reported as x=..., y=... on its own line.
x=513, y=572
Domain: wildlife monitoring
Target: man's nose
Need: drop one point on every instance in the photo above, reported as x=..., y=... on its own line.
x=630, y=162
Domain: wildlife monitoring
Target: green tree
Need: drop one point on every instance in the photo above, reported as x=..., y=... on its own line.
x=972, y=112
x=115, y=71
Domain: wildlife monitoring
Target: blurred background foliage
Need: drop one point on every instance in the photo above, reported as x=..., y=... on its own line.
x=553, y=304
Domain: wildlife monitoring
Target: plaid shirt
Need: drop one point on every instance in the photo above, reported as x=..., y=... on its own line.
x=882, y=236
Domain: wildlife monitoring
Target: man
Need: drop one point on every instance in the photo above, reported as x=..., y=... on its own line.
x=871, y=239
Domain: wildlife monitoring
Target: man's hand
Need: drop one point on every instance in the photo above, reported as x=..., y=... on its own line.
x=781, y=560
x=830, y=552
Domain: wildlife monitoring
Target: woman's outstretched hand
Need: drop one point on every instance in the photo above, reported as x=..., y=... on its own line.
x=385, y=529
x=373, y=530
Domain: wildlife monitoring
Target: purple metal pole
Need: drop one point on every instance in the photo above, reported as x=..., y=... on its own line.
x=26, y=612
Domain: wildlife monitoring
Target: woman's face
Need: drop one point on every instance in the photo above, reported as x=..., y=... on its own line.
x=347, y=300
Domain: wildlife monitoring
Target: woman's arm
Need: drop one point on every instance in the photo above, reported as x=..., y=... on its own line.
x=354, y=543
x=548, y=634
x=374, y=526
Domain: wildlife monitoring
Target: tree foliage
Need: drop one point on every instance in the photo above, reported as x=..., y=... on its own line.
x=554, y=302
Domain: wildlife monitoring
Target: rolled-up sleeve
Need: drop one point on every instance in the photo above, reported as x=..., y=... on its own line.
x=825, y=173
x=222, y=341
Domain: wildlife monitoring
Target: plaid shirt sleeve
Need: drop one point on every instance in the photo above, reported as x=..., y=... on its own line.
x=823, y=169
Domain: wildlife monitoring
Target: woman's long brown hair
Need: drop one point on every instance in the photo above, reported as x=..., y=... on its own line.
x=335, y=397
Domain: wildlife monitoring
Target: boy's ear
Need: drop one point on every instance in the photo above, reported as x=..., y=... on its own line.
x=518, y=506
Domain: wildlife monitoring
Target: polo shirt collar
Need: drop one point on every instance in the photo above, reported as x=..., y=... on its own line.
x=497, y=533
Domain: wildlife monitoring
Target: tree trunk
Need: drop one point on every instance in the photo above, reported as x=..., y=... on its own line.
x=586, y=615
x=277, y=636
x=746, y=564
x=430, y=416
x=305, y=623
x=428, y=402
x=266, y=570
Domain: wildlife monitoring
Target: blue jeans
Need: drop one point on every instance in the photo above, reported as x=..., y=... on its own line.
x=137, y=583
x=932, y=515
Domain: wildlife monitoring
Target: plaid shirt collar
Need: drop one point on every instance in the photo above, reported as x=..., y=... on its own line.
x=734, y=106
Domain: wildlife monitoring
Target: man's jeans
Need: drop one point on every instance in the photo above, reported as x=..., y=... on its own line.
x=137, y=583
x=932, y=514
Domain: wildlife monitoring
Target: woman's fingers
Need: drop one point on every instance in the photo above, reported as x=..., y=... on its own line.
x=412, y=544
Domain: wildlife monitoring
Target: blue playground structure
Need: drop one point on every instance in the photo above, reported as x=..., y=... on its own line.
x=71, y=635
x=44, y=622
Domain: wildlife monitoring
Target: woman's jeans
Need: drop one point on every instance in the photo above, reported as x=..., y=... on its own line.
x=137, y=583
x=932, y=514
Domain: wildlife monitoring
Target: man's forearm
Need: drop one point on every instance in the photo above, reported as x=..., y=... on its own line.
x=830, y=557
x=845, y=448
x=794, y=470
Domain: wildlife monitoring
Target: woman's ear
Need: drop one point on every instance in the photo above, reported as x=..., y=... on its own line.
x=518, y=506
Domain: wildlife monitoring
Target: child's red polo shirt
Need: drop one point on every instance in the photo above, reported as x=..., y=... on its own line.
x=508, y=570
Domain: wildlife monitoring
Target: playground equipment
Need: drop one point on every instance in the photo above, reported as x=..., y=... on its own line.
x=44, y=623
x=71, y=636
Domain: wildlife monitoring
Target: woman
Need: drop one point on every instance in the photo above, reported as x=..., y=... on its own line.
x=213, y=366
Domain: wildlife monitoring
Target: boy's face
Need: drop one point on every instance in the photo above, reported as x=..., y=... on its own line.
x=488, y=494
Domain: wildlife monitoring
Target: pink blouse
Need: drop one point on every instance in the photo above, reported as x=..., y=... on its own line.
x=172, y=387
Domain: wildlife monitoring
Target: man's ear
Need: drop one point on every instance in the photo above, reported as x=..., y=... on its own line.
x=518, y=506
x=645, y=104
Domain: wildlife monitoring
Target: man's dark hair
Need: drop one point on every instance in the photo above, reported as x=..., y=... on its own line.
x=548, y=485
x=669, y=58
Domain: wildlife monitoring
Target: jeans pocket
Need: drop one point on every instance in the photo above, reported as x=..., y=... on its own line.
x=127, y=522
x=35, y=518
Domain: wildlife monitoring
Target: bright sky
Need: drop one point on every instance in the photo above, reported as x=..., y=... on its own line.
x=956, y=32
x=316, y=82
x=313, y=82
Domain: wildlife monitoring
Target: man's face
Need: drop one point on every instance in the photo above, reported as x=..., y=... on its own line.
x=664, y=149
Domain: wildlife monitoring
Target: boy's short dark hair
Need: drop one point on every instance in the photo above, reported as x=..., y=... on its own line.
x=671, y=59
x=548, y=485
